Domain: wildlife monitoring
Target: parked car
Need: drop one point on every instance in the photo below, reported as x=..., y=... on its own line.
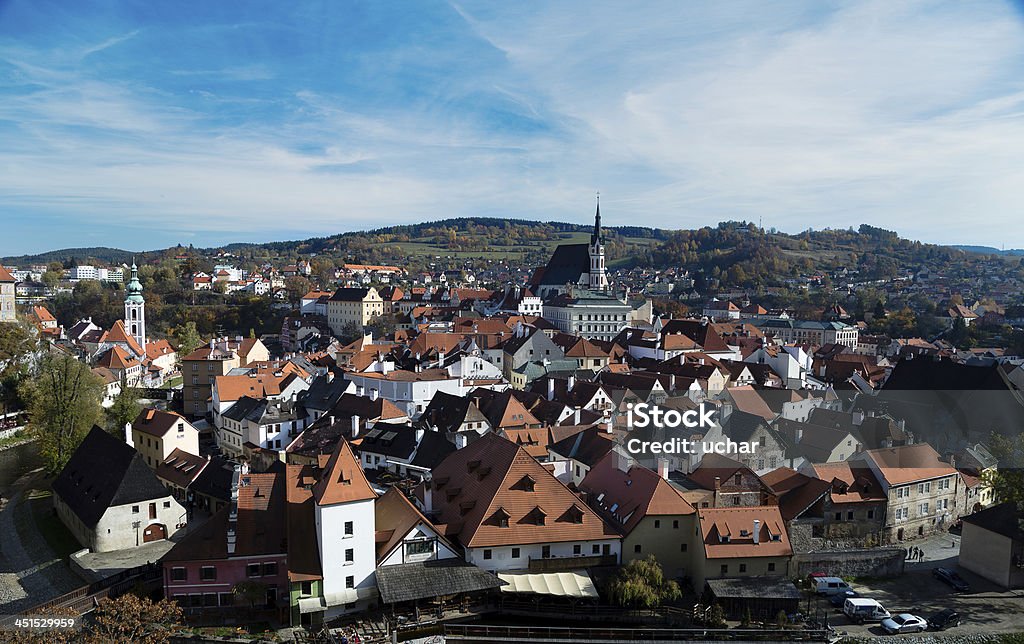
x=830, y=585
x=945, y=618
x=864, y=609
x=904, y=623
x=949, y=576
x=839, y=599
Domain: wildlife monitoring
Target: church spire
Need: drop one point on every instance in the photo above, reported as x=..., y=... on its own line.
x=596, y=237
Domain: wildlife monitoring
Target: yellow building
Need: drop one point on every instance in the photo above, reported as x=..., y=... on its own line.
x=353, y=306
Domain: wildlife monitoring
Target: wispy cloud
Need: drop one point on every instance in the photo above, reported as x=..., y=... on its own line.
x=909, y=116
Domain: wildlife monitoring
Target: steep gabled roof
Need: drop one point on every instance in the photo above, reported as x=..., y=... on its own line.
x=629, y=496
x=342, y=480
x=493, y=474
x=395, y=517
x=156, y=422
x=105, y=472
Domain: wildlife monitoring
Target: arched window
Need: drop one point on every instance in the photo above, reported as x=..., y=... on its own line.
x=135, y=314
x=134, y=329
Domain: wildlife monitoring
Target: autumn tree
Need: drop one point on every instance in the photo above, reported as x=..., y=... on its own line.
x=125, y=409
x=130, y=618
x=187, y=338
x=63, y=402
x=641, y=584
x=296, y=286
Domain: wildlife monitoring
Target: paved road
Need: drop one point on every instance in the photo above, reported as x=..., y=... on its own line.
x=986, y=609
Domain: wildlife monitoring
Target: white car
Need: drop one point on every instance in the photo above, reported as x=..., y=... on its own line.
x=904, y=623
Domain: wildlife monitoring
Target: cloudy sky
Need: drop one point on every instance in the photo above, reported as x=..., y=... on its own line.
x=144, y=124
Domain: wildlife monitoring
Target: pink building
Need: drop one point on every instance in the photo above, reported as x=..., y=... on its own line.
x=244, y=542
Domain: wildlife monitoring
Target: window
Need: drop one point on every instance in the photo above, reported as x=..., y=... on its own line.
x=167, y=504
x=515, y=553
x=743, y=567
x=208, y=573
x=577, y=549
x=771, y=567
x=487, y=554
x=179, y=574
x=227, y=599
x=595, y=549
x=350, y=555
x=545, y=552
x=675, y=524
x=871, y=514
x=135, y=509
x=348, y=528
x=270, y=569
x=682, y=547
x=252, y=570
x=738, y=479
x=350, y=582
x=307, y=588
x=735, y=500
x=839, y=516
x=657, y=523
x=849, y=516
x=418, y=548
x=724, y=570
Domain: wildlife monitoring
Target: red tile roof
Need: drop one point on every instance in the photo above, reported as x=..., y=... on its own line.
x=492, y=480
x=342, y=480
x=729, y=532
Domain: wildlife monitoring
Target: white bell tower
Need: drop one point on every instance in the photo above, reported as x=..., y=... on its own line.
x=135, y=309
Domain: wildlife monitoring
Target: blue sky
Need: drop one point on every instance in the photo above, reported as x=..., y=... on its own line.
x=144, y=124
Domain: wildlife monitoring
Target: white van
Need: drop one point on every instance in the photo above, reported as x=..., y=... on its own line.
x=830, y=585
x=862, y=609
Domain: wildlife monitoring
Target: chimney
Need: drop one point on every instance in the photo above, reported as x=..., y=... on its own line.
x=355, y=426
x=570, y=383
x=663, y=468
x=608, y=425
x=718, y=483
x=374, y=394
x=672, y=382
x=331, y=419
x=799, y=434
x=128, y=435
x=419, y=435
x=461, y=440
x=428, y=497
x=576, y=417
x=551, y=388
x=213, y=343
x=757, y=531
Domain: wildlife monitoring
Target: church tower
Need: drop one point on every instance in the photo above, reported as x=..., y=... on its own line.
x=598, y=278
x=135, y=308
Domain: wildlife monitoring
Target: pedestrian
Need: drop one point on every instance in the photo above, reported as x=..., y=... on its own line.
x=921, y=553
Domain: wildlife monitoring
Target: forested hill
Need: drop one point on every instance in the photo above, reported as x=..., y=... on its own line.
x=735, y=253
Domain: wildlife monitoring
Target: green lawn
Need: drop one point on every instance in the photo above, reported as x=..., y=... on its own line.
x=173, y=382
x=60, y=540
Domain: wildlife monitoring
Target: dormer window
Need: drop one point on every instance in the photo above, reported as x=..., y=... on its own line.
x=500, y=518
x=539, y=516
x=574, y=514
x=472, y=465
x=466, y=506
x=527, y=483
